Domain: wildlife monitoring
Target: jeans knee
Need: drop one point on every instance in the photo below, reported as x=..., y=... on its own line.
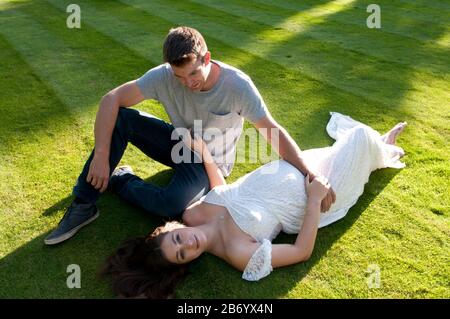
x=123, y=117
x=176, y=203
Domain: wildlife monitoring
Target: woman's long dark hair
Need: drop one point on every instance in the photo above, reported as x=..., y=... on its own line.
x=140, y=270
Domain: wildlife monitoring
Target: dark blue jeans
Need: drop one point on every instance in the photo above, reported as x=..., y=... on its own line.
x=153, y=137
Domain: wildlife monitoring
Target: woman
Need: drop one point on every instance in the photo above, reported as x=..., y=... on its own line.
x=237, y=222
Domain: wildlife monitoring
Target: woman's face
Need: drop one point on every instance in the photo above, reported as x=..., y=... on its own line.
x=183, y=245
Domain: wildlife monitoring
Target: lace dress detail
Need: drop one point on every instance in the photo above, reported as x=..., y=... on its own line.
x=260, y=264
x=273, y=198
x=247, y=202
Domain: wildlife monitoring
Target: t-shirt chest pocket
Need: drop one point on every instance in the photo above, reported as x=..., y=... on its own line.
x=223, y=121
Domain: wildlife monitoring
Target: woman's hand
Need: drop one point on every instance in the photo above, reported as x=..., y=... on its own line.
x=196, y=144
x=317, y=189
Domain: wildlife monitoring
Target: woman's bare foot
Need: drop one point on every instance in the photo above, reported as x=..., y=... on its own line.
x=390, y=137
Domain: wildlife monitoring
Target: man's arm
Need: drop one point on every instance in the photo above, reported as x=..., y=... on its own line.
x=289, y=151
x=126, y=95
x=285, y=145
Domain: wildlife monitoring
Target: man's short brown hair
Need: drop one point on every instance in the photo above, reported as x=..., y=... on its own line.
x=183, y=44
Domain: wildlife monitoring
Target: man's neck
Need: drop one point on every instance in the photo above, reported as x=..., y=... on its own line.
x=213, y=77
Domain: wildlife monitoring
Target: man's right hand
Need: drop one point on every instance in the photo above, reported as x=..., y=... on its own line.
x=98, y=175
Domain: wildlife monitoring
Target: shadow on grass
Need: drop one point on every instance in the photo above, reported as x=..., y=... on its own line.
x=161, y=178
x=118, y=221
x=35, y=270
x=328, y=235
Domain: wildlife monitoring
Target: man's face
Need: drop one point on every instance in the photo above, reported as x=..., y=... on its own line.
x=193, y=74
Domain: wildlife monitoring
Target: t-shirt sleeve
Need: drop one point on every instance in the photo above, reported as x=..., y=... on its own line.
x=150, y=83
x=260, y=264
x=253, y=107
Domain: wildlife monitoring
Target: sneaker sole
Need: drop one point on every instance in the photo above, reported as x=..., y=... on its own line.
x=72, y=232
x=118, y=168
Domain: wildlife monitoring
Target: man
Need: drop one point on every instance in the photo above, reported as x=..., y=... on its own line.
x=191, y=87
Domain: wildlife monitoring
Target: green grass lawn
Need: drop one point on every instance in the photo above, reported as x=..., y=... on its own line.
x=307, y=58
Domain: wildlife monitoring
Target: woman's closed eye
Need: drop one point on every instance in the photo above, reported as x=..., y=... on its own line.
x=181, y=251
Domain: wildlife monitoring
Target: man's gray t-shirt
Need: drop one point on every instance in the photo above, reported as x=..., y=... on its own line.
x=221, y=109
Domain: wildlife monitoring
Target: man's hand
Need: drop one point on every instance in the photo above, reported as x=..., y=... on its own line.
x=98, y=175
x=329, y=199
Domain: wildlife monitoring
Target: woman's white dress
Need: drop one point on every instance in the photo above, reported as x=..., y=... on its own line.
x=272, y=198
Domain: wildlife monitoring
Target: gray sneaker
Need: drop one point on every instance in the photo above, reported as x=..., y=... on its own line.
x=76, y=216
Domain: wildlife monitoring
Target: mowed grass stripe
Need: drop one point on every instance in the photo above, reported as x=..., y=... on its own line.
x=343, y=69
x=134, y=45
x=37, y=140
x=229, y=29
x=404, y=10
x=57, y=70
x=406, y=55
x=55, y=62
x=109, y=19
x=346, y=14
x=148, y=23
x=132, y=30
x=433, y=4
x=80, y=65
x=132, y=19
x=400, y=50
x=38, y=149
x=112, y=59
x=24, y=97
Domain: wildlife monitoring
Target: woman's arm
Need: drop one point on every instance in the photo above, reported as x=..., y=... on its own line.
x=285, y=254
x=301, y=250
x=215, y=175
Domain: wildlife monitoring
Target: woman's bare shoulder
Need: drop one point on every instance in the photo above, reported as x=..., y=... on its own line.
x=238, y=253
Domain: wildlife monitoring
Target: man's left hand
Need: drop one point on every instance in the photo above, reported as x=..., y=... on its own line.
x=328, y=201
